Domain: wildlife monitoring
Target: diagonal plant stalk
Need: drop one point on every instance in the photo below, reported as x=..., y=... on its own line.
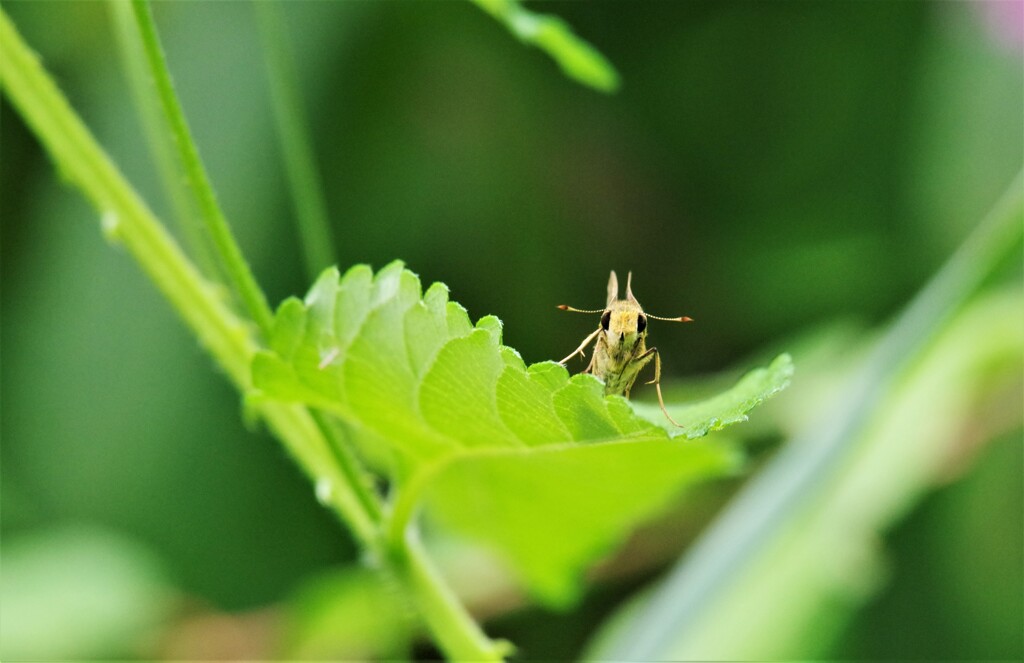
x=127, y=220
x=342, y=484
x=158, y=137
x=137, y=33
x=304, y=179
x=454, y=628
x=576, y=58
x=440, y=607
x=223, y=243
x=226, y=248
x=686, y=606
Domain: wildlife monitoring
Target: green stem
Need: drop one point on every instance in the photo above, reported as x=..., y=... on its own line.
x=458, y=635
x=128, y=220
x=227, y=250
x=760, y=519
x=360, y=481
x=228, y=338
x=158, y=136
x=336, y=478
x=307, y=190
x=576, y=57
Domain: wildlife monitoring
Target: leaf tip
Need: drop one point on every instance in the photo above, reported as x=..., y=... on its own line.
x=492, y=324
x=783, y=364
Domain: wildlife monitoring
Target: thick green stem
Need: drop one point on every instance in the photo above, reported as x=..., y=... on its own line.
x=354, y=474
x=307, y=190
x=126, y=219
x=337, y=478
x=227, y=249
x=456, y=633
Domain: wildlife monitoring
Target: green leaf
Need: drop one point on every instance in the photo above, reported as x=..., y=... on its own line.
x=345, y=614
x=542, y=467
x=551, y=511
x=726, y=408
x=78, y=593
x=577, y=58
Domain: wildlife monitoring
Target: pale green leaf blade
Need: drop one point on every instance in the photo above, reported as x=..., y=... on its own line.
x=411, y=370
x=457, y=397
x=445, y=410
x=726, y=408
x=526, y=407
x=551, y=511
x=426, y=328
x=336, y=614
x=582, y=408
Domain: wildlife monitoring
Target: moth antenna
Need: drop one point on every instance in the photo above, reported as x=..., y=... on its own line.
x=578, y=310
x=682, y=318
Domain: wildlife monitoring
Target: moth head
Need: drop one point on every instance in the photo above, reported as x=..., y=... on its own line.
x=624, y=323
x=623, y=320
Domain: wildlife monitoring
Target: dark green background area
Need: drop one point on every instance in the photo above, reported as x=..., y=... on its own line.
x=766, y=167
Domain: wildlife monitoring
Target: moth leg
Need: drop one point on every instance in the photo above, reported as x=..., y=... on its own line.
x=641, y=360
x=657, y=381
x=579, y=350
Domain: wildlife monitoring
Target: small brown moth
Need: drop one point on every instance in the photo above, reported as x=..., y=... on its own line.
x=621, y=351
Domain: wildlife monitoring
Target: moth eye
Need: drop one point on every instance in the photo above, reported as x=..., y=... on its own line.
x=641, y=324
x=606, y=320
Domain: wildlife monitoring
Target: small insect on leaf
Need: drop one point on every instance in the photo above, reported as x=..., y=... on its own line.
x=620, y=345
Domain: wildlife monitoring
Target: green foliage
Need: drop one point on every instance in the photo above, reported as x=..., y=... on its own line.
x=727, y=408
x=349, y=610
x=908, y=442
x=105, y=592
x=553, y=510
x=513, y=495
x=470, y=429
x=577, y=59
x=830, y=492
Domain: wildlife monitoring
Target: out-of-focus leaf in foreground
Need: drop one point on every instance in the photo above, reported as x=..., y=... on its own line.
x=345, y=612
x=541, y=467
x=806, y=528
x=80, y=592
x=831, y=563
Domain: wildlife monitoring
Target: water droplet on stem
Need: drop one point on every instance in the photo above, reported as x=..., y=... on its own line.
x=110, y=224
x=324, y=491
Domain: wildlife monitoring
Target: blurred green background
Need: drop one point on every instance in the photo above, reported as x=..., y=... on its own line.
x=767, y=168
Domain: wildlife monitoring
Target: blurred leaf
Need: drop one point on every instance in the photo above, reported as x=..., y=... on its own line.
x=349, y=614
x=553, y=510
x=471, y=428
x=798, y=543
x=906, y=446
x=79, y=593
x=945, y=555
x=577, y=59
x=809, y=581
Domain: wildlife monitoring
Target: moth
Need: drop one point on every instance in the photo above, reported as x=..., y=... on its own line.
x=620, y=351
